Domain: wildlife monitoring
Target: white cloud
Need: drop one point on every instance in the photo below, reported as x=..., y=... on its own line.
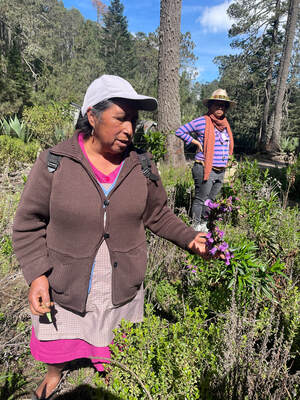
x=215, y=19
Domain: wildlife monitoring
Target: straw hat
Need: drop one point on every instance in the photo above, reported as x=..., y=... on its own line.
x=219, y=95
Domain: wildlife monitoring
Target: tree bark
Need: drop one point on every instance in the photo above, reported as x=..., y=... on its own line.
x=168, y=78
x=265, y=130
x=274, y=144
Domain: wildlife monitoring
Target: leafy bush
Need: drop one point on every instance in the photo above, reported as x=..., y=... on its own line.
x=49, y=124
x=179, y=185
x=170, y=359
x=289, y=178
x=14, y=152
x=239, y=355
x=156, y=144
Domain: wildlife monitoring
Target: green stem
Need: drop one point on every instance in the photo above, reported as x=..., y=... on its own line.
x=117, y=363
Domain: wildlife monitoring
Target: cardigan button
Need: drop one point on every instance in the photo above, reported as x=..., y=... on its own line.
x=106, y=203
x=106, y=235
x=115, y=264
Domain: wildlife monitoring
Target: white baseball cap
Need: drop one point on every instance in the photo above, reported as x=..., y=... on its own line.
x=110, y=86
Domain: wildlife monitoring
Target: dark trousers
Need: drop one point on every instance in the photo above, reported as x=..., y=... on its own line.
x=205, y=190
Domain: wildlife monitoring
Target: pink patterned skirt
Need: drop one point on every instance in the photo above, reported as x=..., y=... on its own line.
x=76, y=336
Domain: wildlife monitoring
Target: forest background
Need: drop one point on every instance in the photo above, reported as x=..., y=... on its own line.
x=211, y=331
x=49, y=53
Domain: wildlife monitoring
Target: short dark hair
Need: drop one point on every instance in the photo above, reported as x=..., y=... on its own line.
x=83, y=123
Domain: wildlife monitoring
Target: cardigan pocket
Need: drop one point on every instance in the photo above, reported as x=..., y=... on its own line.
x=58, y=278
x=69, y=276
x=128, y=273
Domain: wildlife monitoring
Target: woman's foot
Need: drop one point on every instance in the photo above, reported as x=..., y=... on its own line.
x=51, y=381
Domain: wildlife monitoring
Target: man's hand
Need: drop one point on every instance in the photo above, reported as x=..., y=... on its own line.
x=39, y=298
x=198, y=245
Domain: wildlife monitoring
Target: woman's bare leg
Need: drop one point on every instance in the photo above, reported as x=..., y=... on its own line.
x=51, y=380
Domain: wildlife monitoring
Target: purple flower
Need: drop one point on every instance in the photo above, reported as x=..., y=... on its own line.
x=211, y=204
x=223, y=246
x=219, y=232
x=213, y=250
x=194, y=271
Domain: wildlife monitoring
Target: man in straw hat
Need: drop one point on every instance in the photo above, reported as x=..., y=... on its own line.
x=214, y=143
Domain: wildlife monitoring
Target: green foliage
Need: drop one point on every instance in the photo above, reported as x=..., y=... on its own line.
x=246, y=271
x=15, y=128
x=179, y=185
x=271, y=226
x=6, y=246
x=168, y=298
x=14, y=81
x=11, y=383
x=156, y=144
x=14, y=152
x=289, y=144
x=116, y=42
x=7, y=261
x=289, y=178
x=49, y=124
x=250, y=273
x=169, y=367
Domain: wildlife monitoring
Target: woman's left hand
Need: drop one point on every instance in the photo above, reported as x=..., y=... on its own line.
x=198, y=245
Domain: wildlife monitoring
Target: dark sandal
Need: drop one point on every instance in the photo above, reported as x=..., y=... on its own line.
x=34, y=396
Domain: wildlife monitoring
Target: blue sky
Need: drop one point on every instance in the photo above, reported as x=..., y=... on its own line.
x=205, y=19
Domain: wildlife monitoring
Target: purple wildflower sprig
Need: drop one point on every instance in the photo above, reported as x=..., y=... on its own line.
x=218, y=211
x=216, y=245
x=215, y=237
x=192, y=268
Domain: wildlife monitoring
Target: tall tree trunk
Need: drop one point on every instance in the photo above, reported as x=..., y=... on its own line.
x=274, y=144
x=265, y=128
x=168, y=78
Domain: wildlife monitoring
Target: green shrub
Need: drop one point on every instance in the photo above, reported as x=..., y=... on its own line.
x=237, y=355
x=179, y=185
x=49, y=124
x=289, y=178
x=156, y=144
x=170, y=359
x=14, y=152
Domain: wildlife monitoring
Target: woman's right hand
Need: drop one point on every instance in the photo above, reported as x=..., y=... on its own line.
x=198, y=144
x=39, y=298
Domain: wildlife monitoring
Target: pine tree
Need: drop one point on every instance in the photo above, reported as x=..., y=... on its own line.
x=116, y=43
x=281, y=86
x=168, y=78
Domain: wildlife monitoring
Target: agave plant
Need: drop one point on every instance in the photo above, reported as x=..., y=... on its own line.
x=289, y=144
x=13, y=127
x=5, y=127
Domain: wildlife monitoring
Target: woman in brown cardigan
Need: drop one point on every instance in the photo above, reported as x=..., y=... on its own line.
x=214, y=143
x=79, y=232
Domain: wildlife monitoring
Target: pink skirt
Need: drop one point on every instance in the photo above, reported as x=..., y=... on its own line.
x=63, y=350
